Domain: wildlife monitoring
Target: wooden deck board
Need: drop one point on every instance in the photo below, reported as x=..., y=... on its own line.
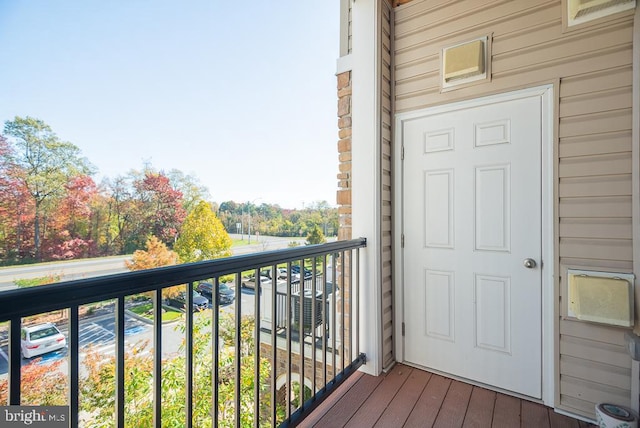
x=506, y=411
x=396, y=414
x=534, y=415
x=561, y=421
x=454, y=407
x=426, y=409
x=480, y=411
x=343, y=410
x=408, y=397
x=369, y=413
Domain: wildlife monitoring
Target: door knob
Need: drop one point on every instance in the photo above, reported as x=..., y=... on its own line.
x=529, y=263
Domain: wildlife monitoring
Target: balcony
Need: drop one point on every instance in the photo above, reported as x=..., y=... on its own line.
x=409, y=397
x=234, y=369
x=266, y=357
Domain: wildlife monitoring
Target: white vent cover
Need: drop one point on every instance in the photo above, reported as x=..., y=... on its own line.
x=579, y=11
x=602, y=297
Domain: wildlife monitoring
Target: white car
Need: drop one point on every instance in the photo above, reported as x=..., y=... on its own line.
x=250, y=282
x=283, y=273
x=40, y=339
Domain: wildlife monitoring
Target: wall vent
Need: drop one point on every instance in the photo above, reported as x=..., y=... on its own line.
x=601, y=297
x=464, y=62
x=580, y=11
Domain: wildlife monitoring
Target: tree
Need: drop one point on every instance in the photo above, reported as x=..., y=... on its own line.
x=161, y=205
x=71, y=234
x=98, y=387
x=16, y=208
x=156, y=255
x=121, y=216
x=41, y=385
x=202, y=236
x=316, y=236
x=46, y=162
x=190, y=187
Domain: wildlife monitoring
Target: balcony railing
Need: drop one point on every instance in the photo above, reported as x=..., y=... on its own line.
x=304, y=331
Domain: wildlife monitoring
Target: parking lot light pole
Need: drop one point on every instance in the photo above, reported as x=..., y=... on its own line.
x=249, y=213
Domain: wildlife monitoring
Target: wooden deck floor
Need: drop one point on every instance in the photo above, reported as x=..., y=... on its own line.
x=408, y=397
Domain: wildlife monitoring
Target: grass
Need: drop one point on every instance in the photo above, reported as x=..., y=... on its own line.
x=239, y=242
x=34, y=282
x=171, y=315
x=146, y=309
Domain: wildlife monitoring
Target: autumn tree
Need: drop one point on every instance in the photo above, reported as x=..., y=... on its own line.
x=156, y=255
x=121, y=220
x=161, y=206
x=46, y=162
x=203, y=236
x=40, y=385
x=71, y=236
x=16, y=208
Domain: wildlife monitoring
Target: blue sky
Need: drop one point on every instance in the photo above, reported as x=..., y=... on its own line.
x=242, y=95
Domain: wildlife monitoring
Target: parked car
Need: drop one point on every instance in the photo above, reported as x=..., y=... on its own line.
x=250, y=282
x=200, y=302
x=283, y=273
x=307, y=272
x=40, y=339
x=226, y=294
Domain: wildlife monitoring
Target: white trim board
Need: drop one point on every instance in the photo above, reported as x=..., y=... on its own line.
x=548, y=257
x=365, y=168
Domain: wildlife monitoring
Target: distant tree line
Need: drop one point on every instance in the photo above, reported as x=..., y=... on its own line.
x=52, y=209
x=273, y=220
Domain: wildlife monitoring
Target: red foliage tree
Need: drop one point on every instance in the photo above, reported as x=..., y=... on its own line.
x=16, y=209
x=161, y=207
x=70, y=226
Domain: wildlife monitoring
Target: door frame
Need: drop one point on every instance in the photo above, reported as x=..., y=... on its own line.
x=548, y=345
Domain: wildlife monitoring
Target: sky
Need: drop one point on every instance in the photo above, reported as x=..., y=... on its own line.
x=240, y=95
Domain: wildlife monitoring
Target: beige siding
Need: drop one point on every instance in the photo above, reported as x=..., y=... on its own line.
x=349, y=31
x=345, y=28
x=385, y=197
x=591, y=68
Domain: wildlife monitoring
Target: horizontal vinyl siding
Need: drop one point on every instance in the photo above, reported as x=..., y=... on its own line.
x=593, y=154
x=385, y=164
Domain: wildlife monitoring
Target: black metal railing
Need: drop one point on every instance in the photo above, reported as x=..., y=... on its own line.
x=304, y=334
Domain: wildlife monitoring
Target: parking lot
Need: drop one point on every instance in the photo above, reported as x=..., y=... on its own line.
x=96, y=332
x=99, y=333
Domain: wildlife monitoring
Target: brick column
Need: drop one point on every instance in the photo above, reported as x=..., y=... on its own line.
x=344, y=210
x=344, y=155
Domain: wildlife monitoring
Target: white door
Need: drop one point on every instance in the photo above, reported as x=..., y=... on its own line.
x=472, y=221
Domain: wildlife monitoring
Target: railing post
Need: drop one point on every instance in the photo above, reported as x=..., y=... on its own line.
x=215, y=295
x=120, y=386
x=238, y=344
x=256, y=373
x=157, y=358
x=274, y=353
x=14, y=361
x=189, y=355
x=74, y=365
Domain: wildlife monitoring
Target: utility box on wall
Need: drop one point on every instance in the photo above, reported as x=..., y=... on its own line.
x=601, y=297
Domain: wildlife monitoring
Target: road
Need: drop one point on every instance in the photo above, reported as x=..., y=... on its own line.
x=67, y=270
x=87, y=268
